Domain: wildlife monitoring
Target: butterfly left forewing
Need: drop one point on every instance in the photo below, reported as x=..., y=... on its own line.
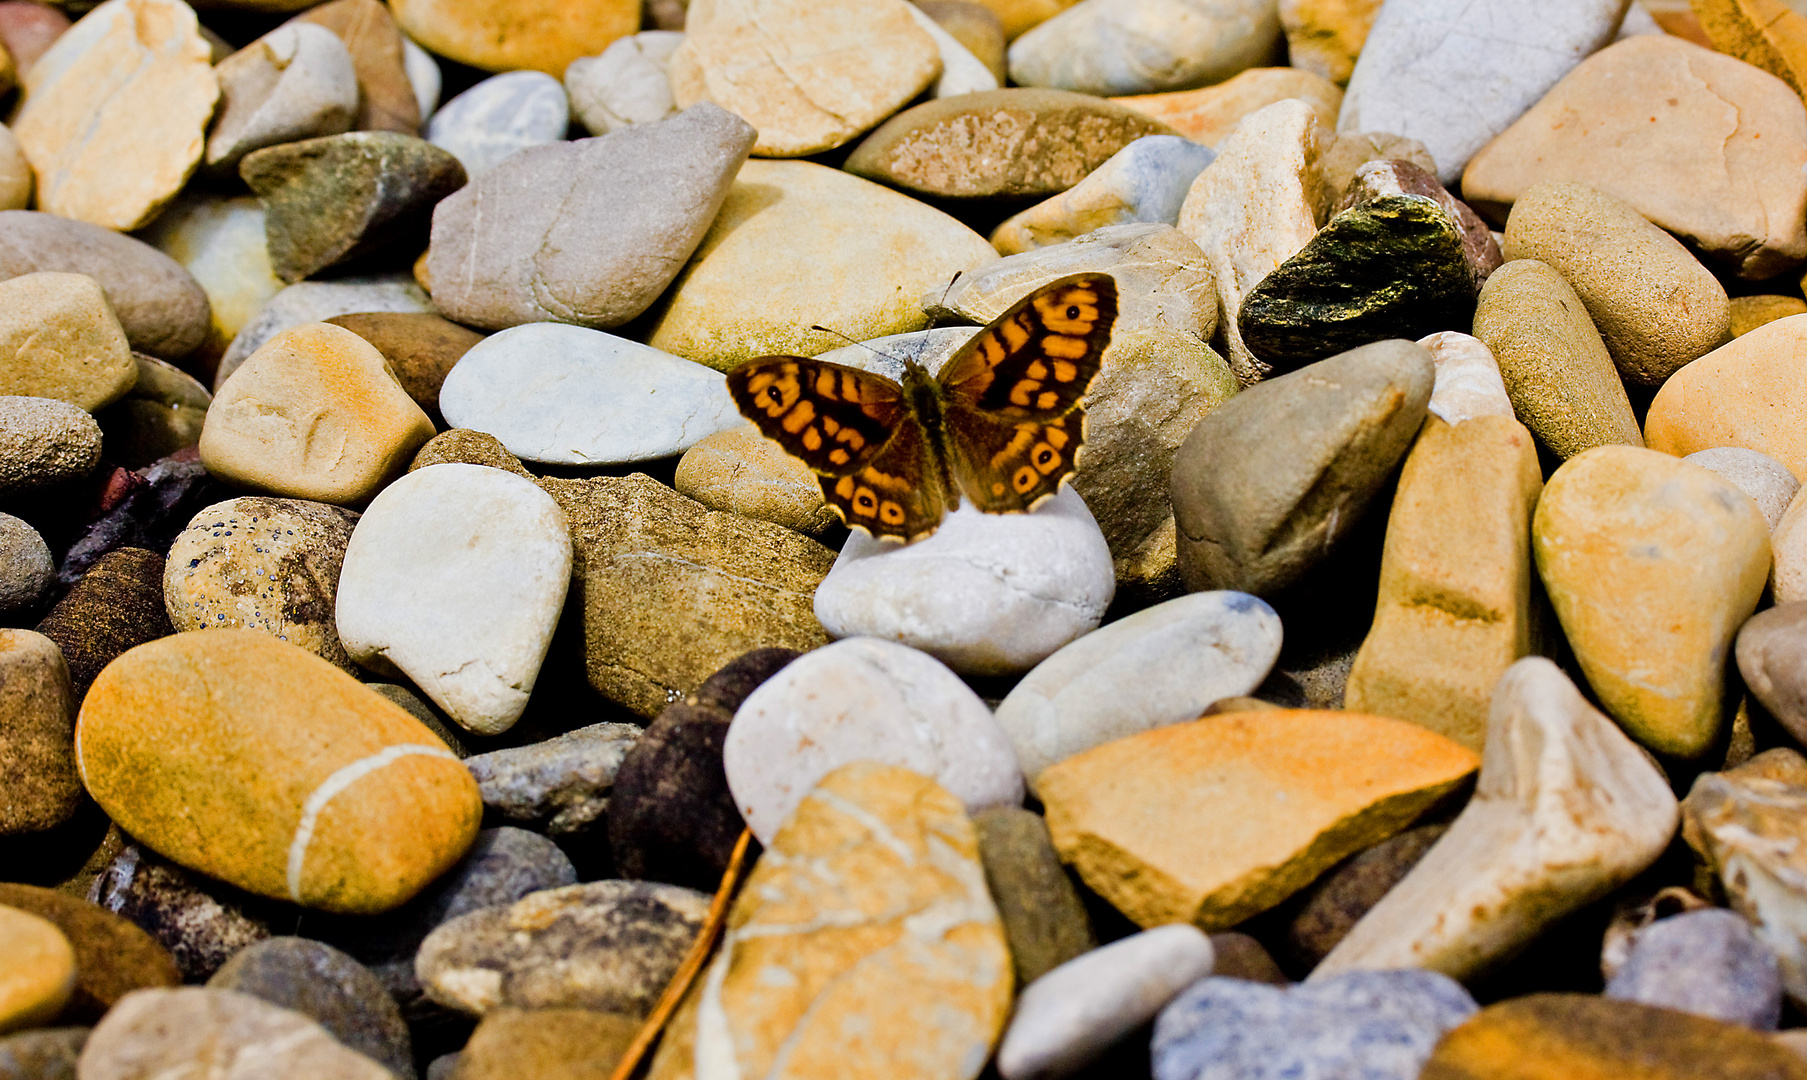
x=1035, y=361
x=831, y=417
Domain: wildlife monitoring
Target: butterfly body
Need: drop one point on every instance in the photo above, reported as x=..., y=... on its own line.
x=1001, y=423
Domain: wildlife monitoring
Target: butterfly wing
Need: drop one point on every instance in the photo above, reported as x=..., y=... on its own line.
x=897, y=495
x=1009, y=467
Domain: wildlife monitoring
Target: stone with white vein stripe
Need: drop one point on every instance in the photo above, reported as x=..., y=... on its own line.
x=258, y=763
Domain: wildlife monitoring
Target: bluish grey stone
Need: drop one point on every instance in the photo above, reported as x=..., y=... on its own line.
x=1362, y=1025
x=499, y=116
x=1705, y=962
x=560, y=785
x=329, y=988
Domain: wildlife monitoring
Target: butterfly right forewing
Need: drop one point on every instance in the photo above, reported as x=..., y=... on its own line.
x=897, y=494
x=833, y=418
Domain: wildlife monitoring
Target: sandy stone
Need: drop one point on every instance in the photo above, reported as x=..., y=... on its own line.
x=239, y=1037
x=798, y=245
x=1455, y=579
x=59, y=339
x=1324, y=37
x=1767, y=481
x=504, y=35
x=193, y=708
x=1096, y=47
x=113, y=956
x=1254, y=208
x=44, y=442
x=1208, y=115
x=15, y=173
x=1348, y=780
x=314, y=414
x=37, y=971
x=135, y=77
x=961, y=71
x=1655, y=306
x=295, y=82
x=219, y=241
x=1736, y=396
x=117, y=605
x=1729, y=120
x=26, y=569
x=471, y=447
x=39, y=788
x=1556, y=368
x=547, y=1044
x=809, y=76
x=387, y=101
x=421, y=349
x=626, y=84
x=742, y=472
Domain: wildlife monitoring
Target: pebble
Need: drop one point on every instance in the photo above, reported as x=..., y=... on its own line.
x=37, y=974
x=26, y=568
x=1013, y=143
x=296, y=82
x=1101, y=49
x=1454, y=610
x=113, y=957
x=1347, y=153
x=1348, y=781
x=329, y=988
x=503, y=35
x=16, y=179
x=1162, y=665
x=1378, y=1025
x=740, y=471
x=1758, y=33
x=863, y=699
x=1145, y=181
x=569, y=395
x=219, y=241
x=976, y=27
x=387, y=100
x=1207, y=115
x=1069, y=1016
x=1729, y=397
x=1705, y=962
x=1376, y=179
x=498, y=116
x=170, y=1032
x=859, y=257
x=315, y=301
x=1729, y=120
x=193, y=709
x=422, y=576
x=987, y=594
x=1275, y=476
x=462, y=446
x=511, y=1043
x=1326, y=36
x=161, y=415
x=1657, y=309
x=1453, y=75
x=37, y=725
x=1557, y=372
x=610, y=946
x=132, y=72
x=201, y=923
x=44, y=442
x=626, y=84
x=59, y=339
x=1565, y=810
x=1322, y=914
x=424, y=77
x=1767, y=481
x=315, y=413
x=117, y=605
x=1045, y=921
x=28, y=28
x=1771, y=661
x=1750, y=312
x=864, y=59
x=1468, y=379
x=1612, y=533
x=42, y=1053
x=629, y=208
x=421, y=349
x=560, y=786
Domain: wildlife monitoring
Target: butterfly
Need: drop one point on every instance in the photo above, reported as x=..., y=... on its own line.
x=1002, y=424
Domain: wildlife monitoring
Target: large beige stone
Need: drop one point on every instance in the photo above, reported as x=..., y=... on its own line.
x=115, y=113
x=809, y=74
x=507, y=35
x=1103, y=47
x=1703, y=145
x=1254, y=208
x=1346, y=780
x=59, y=339
x=1566, y=809
x=1209, y=114
x=1455, y=579
x=1652, y=564
x=798, y=245
x=743, y=472
x=313, y=414
x=1324, y=37
x=1745, y=393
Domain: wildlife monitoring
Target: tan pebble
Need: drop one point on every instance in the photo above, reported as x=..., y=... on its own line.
x=37, y=970
x=1740, y=394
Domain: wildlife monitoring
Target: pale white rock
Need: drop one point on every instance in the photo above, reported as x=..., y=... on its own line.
x=1637, y=22
x=1454, y=73
x=15, y=173
x=296, y=82
x=626, y=84
x=863, y=700
x=570, y=395
x=1767, y=481
x=987, y=594
x=499, y=116
x=317, y=301
x=424, y=77
x=455, y=577
x=1468, y=378
x=1146, y=181
x=927, y=349
x=1254, y=207
x=961, y=71
x=1069, y=1016
x=220, y=241
x=1566, y=809
x=1109, y=48
x=1163, y=665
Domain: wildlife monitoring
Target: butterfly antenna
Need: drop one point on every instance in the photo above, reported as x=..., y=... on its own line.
x=861, y=344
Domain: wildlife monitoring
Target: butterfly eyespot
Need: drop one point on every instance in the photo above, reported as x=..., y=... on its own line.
x=1072, y=311
x=865, y=502
x=890, y=513
x=1025, y=480
x=1046, y=460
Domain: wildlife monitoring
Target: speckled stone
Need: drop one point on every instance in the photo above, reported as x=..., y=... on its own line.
x=1045, y=922
x=44, y=442
x=202, y=923
x=117, y=605
x=39, y=787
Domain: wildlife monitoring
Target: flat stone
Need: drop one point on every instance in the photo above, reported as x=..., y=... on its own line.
x=1454, y=610
x=329, y=988
x=1348, y=780
x=626, y=84
x=561, y=786
x=504, y=35
x=1324, y=37
x=1016, y=143
x=1767, y=481
x=166, y=1032
x=863, y=699
x=1488, y=62
x=421, y=349
x=44, y=442
x=455, y=577
x=161, y=415
x=808, y=76
x=59, y=339
x=1269, y=481
x=194, y=709
x=313, y=414
x=1379, y=1025
x=1705, y=962
x=112, y=956
x=1326, y=910
x=1045, y=922
x=1730, y=397
x=296, y=82
x=131, y=76
x=1145, y=181
x=202, y=923
x=589, y=232
x=42, y=1053
x=1750, y=312
x=546, y=1043
x=117, y=605
x=1560, y=377
x=1657, y=309
x=1566, y=809
x=1468, y=382
x=574, y=396
x=1207, y=115
x=218, y=241
x=386, y=97
x=37, y=974
x=1729, y=120
x=610, y=946
x=26, y=569
x=1162, y=665
x=740, y=471
x=1103, y=49
x=1611, y=532
x=498, y=116
x=37, y=730
x=315, y=301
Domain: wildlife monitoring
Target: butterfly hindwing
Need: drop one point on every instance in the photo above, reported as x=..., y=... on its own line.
x=833, y=418
x=897, y=494
x=1009, y=466
x=1035, y=361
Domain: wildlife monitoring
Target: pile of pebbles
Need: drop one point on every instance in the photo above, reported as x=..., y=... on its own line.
x=405, y=629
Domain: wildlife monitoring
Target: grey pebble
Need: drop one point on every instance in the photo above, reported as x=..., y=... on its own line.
x=1706, y=962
